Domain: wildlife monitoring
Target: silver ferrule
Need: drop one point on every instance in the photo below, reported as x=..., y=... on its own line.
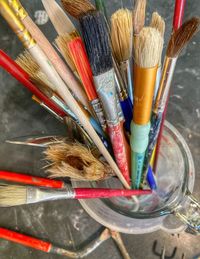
x=105, y=86
x=97, y=106
x=158, y=77
x=125, y=68
x=35, y=195
x=52, y=112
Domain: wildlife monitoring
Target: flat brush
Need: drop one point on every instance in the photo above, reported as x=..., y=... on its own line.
x=96, y=39
x=52, y=55
x=138, y=16
x=147, y=55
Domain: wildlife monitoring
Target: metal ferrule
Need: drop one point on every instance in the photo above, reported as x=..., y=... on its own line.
x=165, y=83
x=97, y=106
x=52, y=112
x=35, y=195
x=18, y=8
x=105, y=86
x=126, y=75
x=16, y=25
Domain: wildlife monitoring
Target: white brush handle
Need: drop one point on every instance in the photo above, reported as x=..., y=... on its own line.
x=63, y=91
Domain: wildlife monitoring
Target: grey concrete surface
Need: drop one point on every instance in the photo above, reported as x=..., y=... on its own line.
x=65, y=223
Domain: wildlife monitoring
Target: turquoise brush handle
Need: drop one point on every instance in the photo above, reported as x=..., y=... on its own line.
x=139, y=143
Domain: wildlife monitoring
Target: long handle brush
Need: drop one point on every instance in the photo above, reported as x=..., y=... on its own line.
x=53, y=76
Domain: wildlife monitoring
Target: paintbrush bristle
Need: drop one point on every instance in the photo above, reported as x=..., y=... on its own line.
x=12, y=195
x=77, y=8
x=147, y=47
x=29, y=64
x=121, y=34
x=62, y=43
x=139, y=13
x=76, y=161
x=180, y=38
x=97, y=42
x=158, y=23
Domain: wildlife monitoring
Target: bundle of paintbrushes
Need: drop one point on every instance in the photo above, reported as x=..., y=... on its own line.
x=112, y=87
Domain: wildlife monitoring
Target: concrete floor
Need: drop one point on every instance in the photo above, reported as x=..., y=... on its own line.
x=65, y=223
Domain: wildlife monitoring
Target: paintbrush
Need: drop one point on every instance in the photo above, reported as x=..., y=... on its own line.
x=77, y=8
x=67, y=38
x=158, y=23
x=178, y=41
x=147, y=55
x=138, y=17
x=100, y=6
x=121, y=38
x=52, y=55
x=96, y=39
x=53, y=76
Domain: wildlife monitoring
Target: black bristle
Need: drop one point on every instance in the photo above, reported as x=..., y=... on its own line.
x=96, y=38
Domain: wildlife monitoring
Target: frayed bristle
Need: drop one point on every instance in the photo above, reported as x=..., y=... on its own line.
x=29, y=64
x=158, y=23
x=121, y=34
x=148, y=47
x=62, y=43
x=77, y=8
x=139, y=16
x=12, y=195
x=75, y=161
x=182, y=36
x=97, y=42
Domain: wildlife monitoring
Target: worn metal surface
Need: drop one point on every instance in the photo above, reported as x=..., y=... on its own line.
x=64, y=222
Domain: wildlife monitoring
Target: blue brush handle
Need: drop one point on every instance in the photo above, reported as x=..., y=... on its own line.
x=127, y=109
x=139, y=142
x=151, y=179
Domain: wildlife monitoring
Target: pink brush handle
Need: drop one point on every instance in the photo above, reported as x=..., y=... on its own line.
x=121, y=149
x=178, y=14
x=25, y=240
x=31, y=180
x=88, y=193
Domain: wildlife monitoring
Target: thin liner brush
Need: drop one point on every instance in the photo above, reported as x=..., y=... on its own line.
x=95, y=34
x=61, y=68
x=147, y=55
x=53, y=76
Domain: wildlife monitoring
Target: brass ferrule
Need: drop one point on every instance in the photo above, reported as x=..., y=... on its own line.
x=18, y=8
x=144, y=84
x=16, y=25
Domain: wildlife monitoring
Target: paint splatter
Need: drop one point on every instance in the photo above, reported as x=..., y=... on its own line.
x=41, y=17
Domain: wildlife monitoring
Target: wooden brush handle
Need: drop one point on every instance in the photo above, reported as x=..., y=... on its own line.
x=31, y=180
x=25, y=240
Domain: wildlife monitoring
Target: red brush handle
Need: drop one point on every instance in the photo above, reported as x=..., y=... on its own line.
x=18, y=73
x=31, y=180
x=88, y=193
x=25, y=240
x=178, y=14
x=121, y=149
x=80, y=58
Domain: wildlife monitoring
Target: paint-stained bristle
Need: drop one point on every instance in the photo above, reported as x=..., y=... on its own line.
x=29, y=64
x=121, y=34
x=75, y=161
x=182, y=36
x=148, y=47
x=12, y=195
x=158, y=23
x=139, y=16
x=62, y=43
x=97, y=42
x=77, y=8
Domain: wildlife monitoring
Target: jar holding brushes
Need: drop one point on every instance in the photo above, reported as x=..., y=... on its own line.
x=131, y=169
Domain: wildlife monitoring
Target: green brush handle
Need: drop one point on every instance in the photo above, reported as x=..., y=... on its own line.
x=139, y=143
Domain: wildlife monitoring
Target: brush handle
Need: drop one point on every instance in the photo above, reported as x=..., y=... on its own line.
x=30, y=180
x=157, y=84
x=25, y=240
x=178, y=14
x=127, y=109
x=18, y=73
x=139, y=142
x=126, y=75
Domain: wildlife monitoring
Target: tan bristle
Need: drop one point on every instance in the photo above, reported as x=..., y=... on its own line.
x=75, y=161
x=62, y=43
x=121, y=34
x=77, y=8
x=28, y=63
x=148, y=47
x=139, y=13
x=12, y=195
x=158, y=23
x=182, y=36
